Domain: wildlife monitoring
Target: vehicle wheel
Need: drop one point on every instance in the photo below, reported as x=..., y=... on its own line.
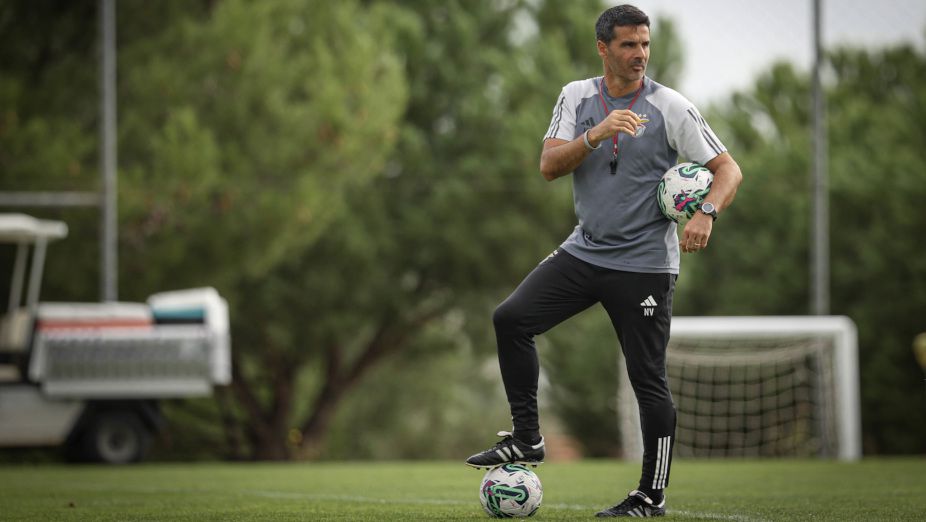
x=115, y=437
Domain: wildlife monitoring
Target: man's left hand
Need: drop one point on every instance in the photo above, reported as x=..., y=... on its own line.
x=697, y=232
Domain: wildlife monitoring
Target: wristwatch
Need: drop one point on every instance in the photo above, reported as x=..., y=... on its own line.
x=708, y=208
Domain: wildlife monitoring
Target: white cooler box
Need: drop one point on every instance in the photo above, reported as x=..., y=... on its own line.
x=176, y=345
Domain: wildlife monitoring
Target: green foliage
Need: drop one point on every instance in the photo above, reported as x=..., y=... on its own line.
x=879, y=270
x=49, y=102
x=757, y=263
x=422, y=246
x=360, y=179
x=425, y=403
x=249, y=143
x=466, y=217
x=44, y=139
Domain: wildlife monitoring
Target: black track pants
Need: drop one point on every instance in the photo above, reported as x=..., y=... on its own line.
x=640, y=308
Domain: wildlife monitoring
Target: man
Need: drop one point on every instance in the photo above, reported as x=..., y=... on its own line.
x=617, y=135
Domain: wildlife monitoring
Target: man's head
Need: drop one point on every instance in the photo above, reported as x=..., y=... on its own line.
x=619, y=16
x=623, y=42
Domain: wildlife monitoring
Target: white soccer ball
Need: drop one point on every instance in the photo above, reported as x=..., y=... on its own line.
x=510, y=490
x=682, y=190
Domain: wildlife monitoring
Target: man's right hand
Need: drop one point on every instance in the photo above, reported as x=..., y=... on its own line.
x=621, y=120
x=561, y=157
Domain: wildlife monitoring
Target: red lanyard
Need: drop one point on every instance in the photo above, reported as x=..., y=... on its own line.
x=604, y=105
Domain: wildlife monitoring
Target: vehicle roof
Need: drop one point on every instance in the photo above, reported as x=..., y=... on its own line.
x=16, y=228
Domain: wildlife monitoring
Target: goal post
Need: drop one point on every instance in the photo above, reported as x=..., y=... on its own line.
x=758, y=387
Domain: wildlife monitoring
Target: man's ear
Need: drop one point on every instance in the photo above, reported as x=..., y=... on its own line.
x=602, y=49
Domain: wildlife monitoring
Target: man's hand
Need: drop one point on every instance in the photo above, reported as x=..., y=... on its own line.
x=697, y=233
x=727, y=178
x=561, y=157
x=617, y=121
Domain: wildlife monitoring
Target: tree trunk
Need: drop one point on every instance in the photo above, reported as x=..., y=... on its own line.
x=274, y=444
x=231, y=426
x=340, y=378
x=267, y=431
x=315, y=428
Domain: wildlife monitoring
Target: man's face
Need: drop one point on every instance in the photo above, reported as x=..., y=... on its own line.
x=628, y=53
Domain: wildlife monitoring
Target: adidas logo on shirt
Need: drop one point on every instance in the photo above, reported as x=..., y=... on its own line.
x=588, y=123
x=649, y=306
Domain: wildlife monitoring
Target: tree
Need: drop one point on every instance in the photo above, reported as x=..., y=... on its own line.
x=434, y=236
x=282, y=113
x=426, y=246
x=49, y=104
x=513, y=217
x=240, y=153
x=363, y=230
x=242, y=127
x=758, y=263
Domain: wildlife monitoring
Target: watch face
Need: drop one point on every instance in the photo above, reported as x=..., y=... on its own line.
x=707, y=208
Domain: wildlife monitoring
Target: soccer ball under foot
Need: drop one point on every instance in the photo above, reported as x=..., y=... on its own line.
x=510, y=490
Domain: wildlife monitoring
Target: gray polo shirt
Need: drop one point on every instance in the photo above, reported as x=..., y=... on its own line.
x=620, y=225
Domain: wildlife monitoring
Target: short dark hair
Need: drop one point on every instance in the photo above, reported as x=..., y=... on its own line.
x=618, y=16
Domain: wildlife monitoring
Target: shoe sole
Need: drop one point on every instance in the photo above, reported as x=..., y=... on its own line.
x=532, y=464
x=608, y=515
x=602, y=514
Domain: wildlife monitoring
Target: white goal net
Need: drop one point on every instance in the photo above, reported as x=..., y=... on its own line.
x=757, y=387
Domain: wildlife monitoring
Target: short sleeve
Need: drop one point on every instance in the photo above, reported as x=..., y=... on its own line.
x=690, y=135
x=563, y=124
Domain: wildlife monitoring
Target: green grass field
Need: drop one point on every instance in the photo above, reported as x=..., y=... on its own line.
x=884, y=489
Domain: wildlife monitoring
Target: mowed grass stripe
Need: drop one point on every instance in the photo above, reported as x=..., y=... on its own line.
x=732, y=490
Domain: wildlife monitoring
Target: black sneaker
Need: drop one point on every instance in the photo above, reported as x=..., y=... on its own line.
x=637, y=504
x=509, y=449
